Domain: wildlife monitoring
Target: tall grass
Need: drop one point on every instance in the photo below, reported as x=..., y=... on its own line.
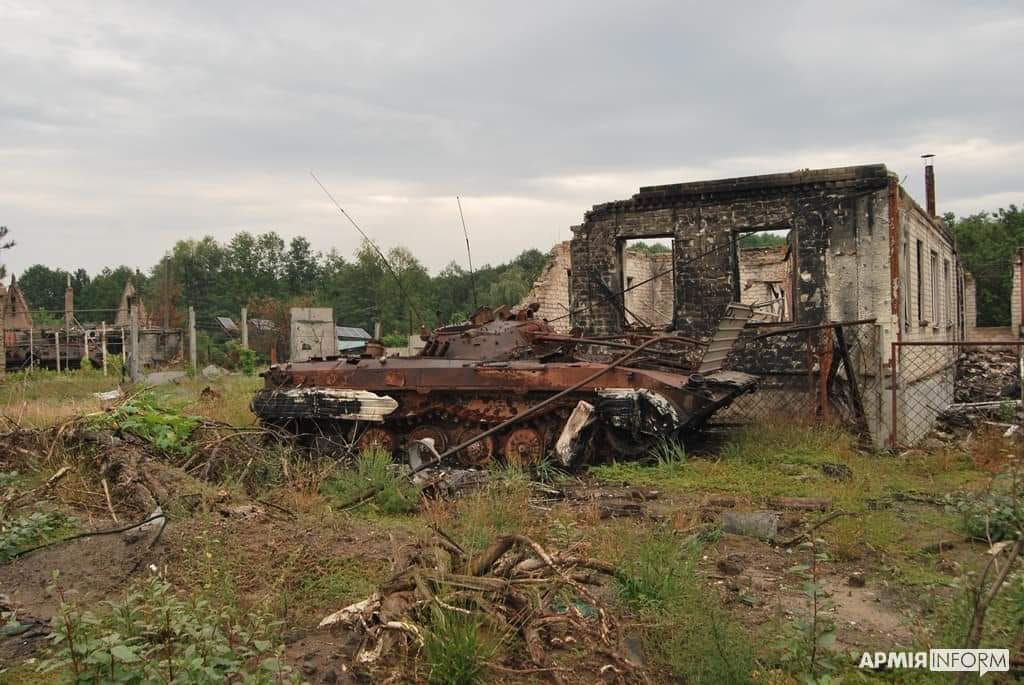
x=374, y=471
x=456, y=649
x=685, y=631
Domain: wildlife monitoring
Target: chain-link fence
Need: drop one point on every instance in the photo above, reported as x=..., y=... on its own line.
x=821, y=373
x=933, y=377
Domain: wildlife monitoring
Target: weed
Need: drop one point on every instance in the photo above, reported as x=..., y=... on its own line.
x=807, y=645
x=347, y=580
x=155, y=636
x=668, y=453
x=26, y=531
x=686, y=631
x=499, y=508
x=456, y=649
x=655, y=577
x=993, y=517
x=374, y=470
x=143, y=416
x=546, y=471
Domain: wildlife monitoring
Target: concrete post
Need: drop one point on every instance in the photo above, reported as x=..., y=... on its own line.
x=31, y=348
x=103, y=345
x=133, y=322
x=245, y=328
x=56, y=346
x=192, y=338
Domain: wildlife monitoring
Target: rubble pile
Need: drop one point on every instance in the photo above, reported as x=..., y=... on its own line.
x=987, y=375
x=514, y=587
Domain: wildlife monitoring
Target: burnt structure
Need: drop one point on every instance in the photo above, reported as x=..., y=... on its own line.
x=855, y=246
x=504, y=385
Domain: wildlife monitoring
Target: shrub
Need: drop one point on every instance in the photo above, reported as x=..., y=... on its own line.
x=144, y=417
x=247, y=358
x=25, y=531
x=992, y=517
x=154, y=636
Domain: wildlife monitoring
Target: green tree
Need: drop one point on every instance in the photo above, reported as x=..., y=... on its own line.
x=43, y=287
x=301, y=267
x=5, y=244
x=987, y=243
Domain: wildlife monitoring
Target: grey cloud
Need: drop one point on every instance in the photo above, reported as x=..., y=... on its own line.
x=124, y=127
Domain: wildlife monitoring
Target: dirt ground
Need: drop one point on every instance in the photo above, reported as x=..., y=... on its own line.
x=267, y=535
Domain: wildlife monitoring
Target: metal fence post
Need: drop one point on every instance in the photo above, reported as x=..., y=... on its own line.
x=892, y=383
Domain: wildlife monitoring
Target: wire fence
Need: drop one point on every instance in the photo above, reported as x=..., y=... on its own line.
x=820, y=374
x=62, y=349
x=932, y=378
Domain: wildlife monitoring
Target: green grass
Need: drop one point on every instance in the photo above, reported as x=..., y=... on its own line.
x=683, y=628
x=457, y=648
x=500, y=508
x=374, y=472
x=345, y=581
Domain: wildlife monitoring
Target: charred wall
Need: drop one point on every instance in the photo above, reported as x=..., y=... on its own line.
x=704, y=220
x=838, y=234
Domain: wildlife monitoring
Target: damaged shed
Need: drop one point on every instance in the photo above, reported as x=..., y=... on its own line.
x=803, y=249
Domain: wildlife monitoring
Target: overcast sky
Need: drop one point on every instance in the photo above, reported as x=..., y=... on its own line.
x=125, y=127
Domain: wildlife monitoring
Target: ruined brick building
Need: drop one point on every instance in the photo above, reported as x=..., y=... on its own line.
x=844, y=244
x=647, y=304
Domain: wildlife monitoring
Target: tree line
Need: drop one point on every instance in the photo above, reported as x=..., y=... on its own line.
x=270, y=275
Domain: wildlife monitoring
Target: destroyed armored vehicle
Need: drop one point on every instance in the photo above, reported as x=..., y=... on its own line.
x=471, y=378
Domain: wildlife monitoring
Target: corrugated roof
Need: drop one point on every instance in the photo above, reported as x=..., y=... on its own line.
x=227, y=324
x=351, y=332
x=345, y=345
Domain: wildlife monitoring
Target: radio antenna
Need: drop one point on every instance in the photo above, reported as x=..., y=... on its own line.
x=469, y=254
x=383, y=259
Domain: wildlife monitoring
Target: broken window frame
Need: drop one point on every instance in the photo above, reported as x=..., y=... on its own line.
x=933, y=269
x=919, y=273
x=790, y=313
x=623, y=245
x=949, y=292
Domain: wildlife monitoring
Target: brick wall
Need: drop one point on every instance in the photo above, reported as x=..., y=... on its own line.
x=551, y=289
x=651, y=298
x=766, y=281
x=1016, y=305
x=704, y=218
x=970, y=305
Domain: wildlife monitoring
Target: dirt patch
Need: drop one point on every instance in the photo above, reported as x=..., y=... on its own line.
x=755, y=579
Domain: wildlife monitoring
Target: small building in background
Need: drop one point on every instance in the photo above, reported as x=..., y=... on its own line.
x=313, y=333
x=351, y=339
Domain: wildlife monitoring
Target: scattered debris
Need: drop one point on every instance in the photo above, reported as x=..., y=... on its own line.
x=110, y=395
x=801, y=503
x=763, y=525
x=515, y=585
x=840, y=472
x=213, y=371
x=987, y=375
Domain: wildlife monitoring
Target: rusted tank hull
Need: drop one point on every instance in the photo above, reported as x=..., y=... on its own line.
x=452, y=400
